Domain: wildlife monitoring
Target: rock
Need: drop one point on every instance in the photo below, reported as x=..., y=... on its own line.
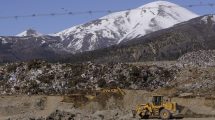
x=186, y=95
x=61, y=115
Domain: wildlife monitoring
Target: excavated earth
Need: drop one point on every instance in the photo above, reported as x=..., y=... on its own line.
x=40, y=107
x=38, y=90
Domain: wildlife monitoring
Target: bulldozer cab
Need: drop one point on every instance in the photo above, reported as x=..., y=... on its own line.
x=157, y=100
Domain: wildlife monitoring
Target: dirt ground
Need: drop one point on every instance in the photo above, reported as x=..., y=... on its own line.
x=199, y=119
x=27, y=106
x=111, y=108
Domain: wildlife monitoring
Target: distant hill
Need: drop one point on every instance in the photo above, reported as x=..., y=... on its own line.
x=29, y=47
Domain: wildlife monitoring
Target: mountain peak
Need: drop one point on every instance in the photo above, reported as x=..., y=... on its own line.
x=124, y=26
x=158, y=3
x=29, y=32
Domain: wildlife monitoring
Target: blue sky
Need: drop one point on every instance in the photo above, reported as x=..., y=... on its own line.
x=57, y=23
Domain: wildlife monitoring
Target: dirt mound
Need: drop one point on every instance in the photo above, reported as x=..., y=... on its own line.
x=202, y=58
x=80, y=99
x=38, y=77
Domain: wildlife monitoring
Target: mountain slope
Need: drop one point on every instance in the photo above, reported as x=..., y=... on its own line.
x=168, y=44
x=29, y=32
x=123, y=26
x=29, y=47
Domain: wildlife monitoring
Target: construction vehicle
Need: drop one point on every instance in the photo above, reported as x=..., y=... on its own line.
x=84, y=96
x=159, y=107
x=116, y=90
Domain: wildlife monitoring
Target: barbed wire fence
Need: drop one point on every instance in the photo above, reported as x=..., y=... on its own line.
x=90, y=12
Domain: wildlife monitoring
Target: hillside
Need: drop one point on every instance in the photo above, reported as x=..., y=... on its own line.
x=30, y=47
x=168, y=44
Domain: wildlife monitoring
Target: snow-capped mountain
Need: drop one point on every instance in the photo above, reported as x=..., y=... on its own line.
x=163, y=45
x=29, y=32
x=123, y=26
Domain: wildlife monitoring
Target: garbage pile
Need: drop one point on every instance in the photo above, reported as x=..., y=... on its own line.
x=39, y=77
x=202, y=58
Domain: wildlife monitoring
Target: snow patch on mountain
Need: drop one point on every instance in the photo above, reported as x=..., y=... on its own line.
x=123, y=26
x=209, y=17
x=161, y=15
x=3, y=41
x=29, y=32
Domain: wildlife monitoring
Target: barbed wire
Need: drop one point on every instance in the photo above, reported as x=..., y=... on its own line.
x=90, y=12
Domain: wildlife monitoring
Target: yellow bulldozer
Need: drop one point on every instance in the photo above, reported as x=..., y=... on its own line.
x=80, y=98
x=158, y=108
